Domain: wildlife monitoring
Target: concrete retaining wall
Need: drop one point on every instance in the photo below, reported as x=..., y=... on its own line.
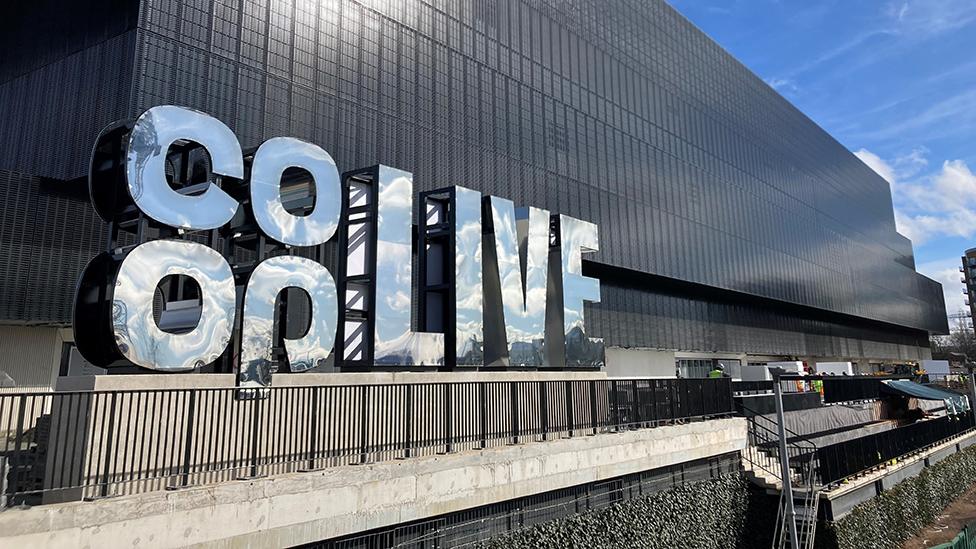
x=840, y=501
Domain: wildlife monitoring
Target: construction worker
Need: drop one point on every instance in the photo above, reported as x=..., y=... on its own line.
x=818, y=386
x=716, y=372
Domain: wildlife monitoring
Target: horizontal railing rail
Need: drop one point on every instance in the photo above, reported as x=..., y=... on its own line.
x=834, y=388
x=849, y=458
x=763, y=450
x=747, y=387
x=65, y=446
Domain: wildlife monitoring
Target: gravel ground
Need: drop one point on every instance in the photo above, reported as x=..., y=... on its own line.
x=950, y=522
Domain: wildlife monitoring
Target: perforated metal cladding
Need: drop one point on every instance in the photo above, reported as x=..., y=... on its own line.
x=630, y=316
x=622, y=114
x=47, y=238
x=52, y=115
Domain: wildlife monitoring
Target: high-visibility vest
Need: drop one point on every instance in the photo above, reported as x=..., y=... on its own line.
x=715, y=373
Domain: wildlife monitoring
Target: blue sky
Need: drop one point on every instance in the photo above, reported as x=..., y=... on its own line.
x=894, y=82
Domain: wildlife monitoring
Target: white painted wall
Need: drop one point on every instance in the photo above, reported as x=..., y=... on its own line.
x=31, y=356
x=635, y=362
x=835, y=368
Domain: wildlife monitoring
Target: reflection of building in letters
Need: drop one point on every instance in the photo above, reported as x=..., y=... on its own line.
x=395, y=344
x=566, y=341
x=450, y=289
x=468, y=293
x=271, y=160
x=137, y=335
x=516, y=257
x=266, y=283
x=148, y=146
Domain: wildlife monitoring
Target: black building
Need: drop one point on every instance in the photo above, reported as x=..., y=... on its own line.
x=729, y=222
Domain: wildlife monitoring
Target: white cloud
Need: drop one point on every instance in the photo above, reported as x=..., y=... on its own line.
x=877, y=164
x=781, y=84
x=942, y=203
x=930, y=17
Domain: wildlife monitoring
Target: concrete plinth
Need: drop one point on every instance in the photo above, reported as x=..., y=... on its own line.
x=304, y=507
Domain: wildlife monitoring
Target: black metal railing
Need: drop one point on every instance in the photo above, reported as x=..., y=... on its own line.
x=845, y=459
x=71, y=446
x=847, y=389
x=752, y=387
x=763, y=449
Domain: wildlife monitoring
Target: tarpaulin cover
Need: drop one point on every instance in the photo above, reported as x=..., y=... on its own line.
x=955, y=403
x=829, y=418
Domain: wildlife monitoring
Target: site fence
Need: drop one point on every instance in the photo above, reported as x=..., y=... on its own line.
x=966, y=539
x=79, y=445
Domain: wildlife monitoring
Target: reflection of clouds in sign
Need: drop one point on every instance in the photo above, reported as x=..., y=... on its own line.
x=268, y=280
x=523, y=300
x=395, y=343
x=272, y=158
x=145, y=343
x=468, y=290
x=154, y=131
x=399, y=300
x=577, y=237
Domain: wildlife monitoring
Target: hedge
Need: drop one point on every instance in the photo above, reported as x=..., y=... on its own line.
x=709, y=514
x=893, y=516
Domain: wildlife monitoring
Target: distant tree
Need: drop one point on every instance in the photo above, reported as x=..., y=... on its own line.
x=961, y=339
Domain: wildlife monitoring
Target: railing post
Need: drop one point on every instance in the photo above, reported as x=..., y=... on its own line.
x=409, y=422
x=255, y=432
x=784, y=462
x=543, y=410
x=673, y=390
x=652, y=383
x=188, y=438
x=570, y=424
x=972, y=397
x=448, y=418
x=515, y=411
x=313, y=444
x=483, y=412
x=110, y=436
x=593, y=421
x=637, y=404
x=363, y=450
x=615, y=403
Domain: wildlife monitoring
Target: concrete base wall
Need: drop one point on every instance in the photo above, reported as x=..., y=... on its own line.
x=305, y=507
x=840, y=501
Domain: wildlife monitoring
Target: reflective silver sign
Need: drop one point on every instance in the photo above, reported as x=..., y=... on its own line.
x=267, y=281
x=271, y=160
x=517, y=262
x=395, y=343
x=137, y=335
x=148, y=146
x=577, y=237
x=469, y=295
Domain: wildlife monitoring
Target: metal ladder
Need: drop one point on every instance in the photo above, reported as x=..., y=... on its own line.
x=806, y=501
x=763, y=454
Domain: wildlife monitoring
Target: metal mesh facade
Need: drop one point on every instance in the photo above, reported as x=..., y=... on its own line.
x=619, y=113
